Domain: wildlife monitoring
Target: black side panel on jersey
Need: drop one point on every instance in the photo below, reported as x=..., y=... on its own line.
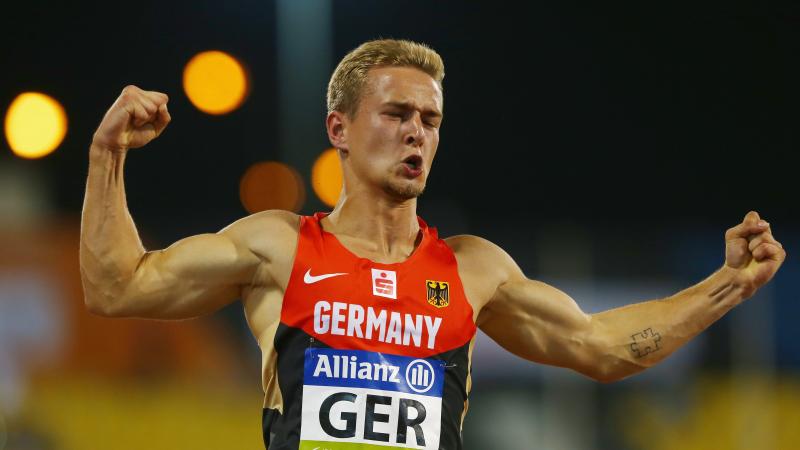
x=282, y=431
x=457, y=368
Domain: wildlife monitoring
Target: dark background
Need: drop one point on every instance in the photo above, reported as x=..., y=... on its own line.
x=607, y=146
x=584, y=112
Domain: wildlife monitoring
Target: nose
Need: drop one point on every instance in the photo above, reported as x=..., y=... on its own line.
x=414, y=134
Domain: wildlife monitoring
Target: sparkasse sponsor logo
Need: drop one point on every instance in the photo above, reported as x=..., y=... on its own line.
x=384, y=283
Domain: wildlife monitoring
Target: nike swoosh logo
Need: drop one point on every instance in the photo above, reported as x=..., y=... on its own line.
x=311, y=279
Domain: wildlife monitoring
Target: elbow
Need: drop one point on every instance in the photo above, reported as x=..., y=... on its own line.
x=610, y=368
x=600, y=373
x=604, y=358
x=605, y=377
x=98, y=306
x=92, y=299
x=607, y=365
x=607, y=369
x=100, y=300
x=109, y=307
x=103, y=292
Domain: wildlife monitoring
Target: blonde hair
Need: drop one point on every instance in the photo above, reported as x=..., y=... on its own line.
x=349, y=80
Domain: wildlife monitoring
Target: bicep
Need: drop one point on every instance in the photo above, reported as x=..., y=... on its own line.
x=194, y=276
x=538, y=322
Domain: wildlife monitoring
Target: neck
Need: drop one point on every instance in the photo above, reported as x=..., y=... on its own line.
x=375, y=224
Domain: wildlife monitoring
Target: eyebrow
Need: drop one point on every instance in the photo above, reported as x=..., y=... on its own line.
x=407, y=105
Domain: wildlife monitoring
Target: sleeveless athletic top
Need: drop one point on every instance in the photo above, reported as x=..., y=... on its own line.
x=368, y=355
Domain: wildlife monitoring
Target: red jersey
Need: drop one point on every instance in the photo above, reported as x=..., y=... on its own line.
x=370, y=355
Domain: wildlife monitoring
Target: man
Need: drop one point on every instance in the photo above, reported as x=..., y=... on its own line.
x=366, y=319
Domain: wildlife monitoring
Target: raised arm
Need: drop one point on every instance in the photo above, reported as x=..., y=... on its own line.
x=540, y=323
x=192, y=277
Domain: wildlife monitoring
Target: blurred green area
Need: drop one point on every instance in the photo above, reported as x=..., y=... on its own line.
x=82, y=412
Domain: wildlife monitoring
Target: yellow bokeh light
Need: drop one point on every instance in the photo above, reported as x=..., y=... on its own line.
x=215, y=82
x=35, y=125
x=326, y=177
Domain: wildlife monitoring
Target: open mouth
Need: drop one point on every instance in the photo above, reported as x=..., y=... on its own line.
x=413, y=162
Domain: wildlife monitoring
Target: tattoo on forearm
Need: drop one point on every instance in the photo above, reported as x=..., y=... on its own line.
x=646, y=342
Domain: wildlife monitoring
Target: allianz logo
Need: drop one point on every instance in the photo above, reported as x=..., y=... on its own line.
x=419, y=374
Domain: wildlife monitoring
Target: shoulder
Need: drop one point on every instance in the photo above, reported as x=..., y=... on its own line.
x=265, y=232
x=482, y=265
x=273, y=220
x=475, y=250
x=468, y=242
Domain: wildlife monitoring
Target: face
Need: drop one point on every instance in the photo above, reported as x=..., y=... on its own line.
x=391, y=141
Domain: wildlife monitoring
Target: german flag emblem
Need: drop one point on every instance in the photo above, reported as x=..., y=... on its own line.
x=438, y=293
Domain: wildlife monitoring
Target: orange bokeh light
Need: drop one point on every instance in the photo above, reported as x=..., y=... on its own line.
x=271, y=185
x=326, y=177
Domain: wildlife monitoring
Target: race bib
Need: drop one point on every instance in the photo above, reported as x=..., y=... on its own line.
x=355, y=399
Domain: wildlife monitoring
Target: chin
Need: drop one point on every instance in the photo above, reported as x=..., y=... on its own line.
x=404, y=190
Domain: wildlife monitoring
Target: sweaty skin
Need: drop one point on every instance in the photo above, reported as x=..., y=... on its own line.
x=397, y=117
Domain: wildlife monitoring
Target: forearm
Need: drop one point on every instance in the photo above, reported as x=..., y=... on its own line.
x=638, y=336
x=110, y=247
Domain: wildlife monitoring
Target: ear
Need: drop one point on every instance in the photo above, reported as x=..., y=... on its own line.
x=336, y=124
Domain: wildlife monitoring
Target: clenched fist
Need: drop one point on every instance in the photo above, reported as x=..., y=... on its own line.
x=751, y=249
x=136, y=118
